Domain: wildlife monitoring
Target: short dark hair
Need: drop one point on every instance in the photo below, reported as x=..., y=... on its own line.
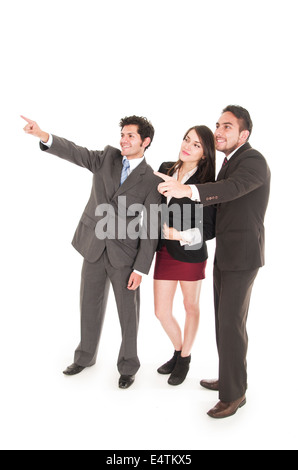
x=145, y=128
x=242, y=115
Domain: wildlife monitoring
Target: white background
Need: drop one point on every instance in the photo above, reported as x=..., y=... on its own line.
x=76, y=68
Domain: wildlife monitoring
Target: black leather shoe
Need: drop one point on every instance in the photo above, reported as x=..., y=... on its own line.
x=126, y=381
x=74, y=369
x=169, y=366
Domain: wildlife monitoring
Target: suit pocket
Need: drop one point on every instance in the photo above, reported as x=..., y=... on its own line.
x=136, y=197
x=120, y=254
x=88, y=221
x=130, y=246
x=85, y=235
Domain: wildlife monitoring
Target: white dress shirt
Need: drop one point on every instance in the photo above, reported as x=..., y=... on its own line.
x=134, y=163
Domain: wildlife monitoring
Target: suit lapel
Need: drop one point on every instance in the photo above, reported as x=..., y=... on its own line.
x=112, y=176
x=193, y=179
x=134, y=178
x=222, y=174
x=117, y=174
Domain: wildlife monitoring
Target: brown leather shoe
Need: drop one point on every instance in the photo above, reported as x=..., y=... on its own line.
x=225, y=410
x=210, y=385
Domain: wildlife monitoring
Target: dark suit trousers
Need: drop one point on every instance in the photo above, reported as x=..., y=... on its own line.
x=95, y=286
x=232, y=292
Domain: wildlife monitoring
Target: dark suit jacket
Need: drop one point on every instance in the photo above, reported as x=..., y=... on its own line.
x=199, y=253
x=139, y=188
x=242, y=194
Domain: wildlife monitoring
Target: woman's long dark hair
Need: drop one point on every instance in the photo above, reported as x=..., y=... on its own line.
x=206, y=167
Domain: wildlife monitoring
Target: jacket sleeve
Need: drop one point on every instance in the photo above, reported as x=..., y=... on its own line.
x=150, y=231
x=63, y=148
x=251, y=173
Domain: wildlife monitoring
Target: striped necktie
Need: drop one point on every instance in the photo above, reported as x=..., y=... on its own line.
x=225, y=162
x=125, y=170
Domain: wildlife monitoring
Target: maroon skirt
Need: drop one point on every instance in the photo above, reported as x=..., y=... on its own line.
x=169, y=269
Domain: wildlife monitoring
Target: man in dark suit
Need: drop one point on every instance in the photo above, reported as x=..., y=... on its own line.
x=123, y=184
x=241, y=194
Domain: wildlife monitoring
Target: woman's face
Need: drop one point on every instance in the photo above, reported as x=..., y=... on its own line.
x=191, y=149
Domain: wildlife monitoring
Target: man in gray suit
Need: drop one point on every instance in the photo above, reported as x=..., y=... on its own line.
x=241, y=194
x=124, y=187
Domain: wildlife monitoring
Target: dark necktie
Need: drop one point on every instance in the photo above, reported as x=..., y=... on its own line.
x=225, y=162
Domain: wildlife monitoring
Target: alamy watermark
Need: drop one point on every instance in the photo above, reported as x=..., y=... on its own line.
x=135, y=221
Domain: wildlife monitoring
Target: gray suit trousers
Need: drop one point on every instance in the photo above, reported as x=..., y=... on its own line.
x=95, y=285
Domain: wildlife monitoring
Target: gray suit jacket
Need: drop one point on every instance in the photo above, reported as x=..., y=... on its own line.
x=139, y=188
x=242, y=194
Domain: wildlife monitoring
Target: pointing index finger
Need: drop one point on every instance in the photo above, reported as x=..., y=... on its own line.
x=27, y=120
x=163, y=176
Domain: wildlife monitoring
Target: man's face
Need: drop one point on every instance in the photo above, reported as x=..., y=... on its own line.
x=131, y=143
x=228, y=136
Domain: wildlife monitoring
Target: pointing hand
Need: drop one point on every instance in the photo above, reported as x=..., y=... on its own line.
x=33, y=128
x=172, y=188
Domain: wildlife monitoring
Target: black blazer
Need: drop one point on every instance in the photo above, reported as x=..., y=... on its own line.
x=177, y=251
x=242, y=193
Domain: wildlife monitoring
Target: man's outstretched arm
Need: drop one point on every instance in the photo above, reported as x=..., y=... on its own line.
x=63, y=148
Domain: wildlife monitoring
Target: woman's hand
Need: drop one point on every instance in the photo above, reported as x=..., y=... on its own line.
x=171, y=233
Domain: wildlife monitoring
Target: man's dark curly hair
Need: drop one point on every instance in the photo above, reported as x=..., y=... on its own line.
x=145, y=128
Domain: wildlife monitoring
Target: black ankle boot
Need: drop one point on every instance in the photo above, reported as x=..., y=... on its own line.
x=180, y=371
x=169, y=366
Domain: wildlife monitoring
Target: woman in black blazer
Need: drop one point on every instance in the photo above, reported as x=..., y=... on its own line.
x=182, y=255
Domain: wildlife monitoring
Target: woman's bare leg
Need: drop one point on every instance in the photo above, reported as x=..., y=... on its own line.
x=191, y=294
x=164, y=293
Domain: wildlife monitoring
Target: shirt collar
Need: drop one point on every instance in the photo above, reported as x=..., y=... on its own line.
x=231, y=154
x=134, y=162
x=186, y=176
